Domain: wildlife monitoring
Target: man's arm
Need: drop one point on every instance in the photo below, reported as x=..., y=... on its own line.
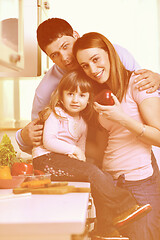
x=147, y=79
x=32, y=133
x=126, y=58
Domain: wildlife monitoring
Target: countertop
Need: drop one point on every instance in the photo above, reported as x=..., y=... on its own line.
x=43, y=216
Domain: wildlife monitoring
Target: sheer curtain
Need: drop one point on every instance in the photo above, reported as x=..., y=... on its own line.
x=133, y=24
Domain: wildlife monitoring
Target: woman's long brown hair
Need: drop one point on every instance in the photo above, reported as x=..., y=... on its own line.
x=119, y=75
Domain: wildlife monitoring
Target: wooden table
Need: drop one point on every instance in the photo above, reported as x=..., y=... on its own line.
x=43, y=217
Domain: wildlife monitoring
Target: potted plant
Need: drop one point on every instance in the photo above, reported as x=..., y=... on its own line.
x=7, y=157
x=10, y=165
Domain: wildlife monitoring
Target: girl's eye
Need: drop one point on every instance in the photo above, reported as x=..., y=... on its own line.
x=82, y=94
x=70, y=94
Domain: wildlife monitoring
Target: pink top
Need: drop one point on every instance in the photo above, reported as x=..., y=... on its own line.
x=62, y=135
x=125, y=153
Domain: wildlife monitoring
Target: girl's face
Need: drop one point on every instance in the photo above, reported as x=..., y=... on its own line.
x=95, y=63
x=75, y=102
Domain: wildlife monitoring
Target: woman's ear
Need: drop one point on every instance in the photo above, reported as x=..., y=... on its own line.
x=75, y=34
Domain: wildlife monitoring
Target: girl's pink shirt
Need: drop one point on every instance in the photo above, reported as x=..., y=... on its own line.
x=125, y=153
x=62, y=135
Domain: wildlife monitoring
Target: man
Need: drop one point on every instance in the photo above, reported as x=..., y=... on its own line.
x=56, y=38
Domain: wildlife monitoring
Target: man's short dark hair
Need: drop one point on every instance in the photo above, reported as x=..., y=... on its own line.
x=51, y=29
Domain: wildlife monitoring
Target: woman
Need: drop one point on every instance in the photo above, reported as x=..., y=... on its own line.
x=63, y=154
x=133, y=125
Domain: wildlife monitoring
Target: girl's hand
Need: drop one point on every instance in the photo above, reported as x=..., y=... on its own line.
x=114, y=113
x=78, y=154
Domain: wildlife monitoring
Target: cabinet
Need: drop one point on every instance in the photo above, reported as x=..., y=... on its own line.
x=18, y=43
x=11, y=34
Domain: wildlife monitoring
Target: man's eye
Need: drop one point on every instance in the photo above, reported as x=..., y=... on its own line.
x=54, y=55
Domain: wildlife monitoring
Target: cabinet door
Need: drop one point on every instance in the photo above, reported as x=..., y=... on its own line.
x=11, y=34
x=18, y=43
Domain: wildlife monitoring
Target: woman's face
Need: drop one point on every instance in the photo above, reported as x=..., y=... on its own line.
x=95, y=63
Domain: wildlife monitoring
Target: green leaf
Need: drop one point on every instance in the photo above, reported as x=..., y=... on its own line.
x=7, y=152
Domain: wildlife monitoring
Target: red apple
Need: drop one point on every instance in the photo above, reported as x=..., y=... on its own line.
x=104, y=97
x=21, y=168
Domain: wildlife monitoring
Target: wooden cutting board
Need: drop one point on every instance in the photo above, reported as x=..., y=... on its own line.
x=52, y=190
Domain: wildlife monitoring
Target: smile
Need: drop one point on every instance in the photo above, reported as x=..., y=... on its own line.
x=99, y=75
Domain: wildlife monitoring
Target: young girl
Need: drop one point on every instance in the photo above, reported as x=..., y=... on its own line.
x=133, y=124
x=63, y=153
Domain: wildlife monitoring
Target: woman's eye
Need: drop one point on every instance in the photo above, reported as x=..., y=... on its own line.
x=65, y=46
x=84, y=66
x=95, y=59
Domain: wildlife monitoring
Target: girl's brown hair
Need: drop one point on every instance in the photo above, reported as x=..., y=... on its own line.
x=70, y=82
x=119, y=75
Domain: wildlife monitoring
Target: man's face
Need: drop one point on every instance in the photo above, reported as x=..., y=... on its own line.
x=60, y=52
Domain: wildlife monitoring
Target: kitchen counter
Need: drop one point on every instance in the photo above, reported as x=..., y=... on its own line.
x=43, y=217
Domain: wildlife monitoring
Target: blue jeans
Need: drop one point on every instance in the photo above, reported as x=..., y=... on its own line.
x=109, y=200
x=145, y=191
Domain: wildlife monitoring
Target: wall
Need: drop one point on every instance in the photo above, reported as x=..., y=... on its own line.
x=131, y=24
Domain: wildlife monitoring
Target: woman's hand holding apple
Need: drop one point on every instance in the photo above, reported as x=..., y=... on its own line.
x=114, y=112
